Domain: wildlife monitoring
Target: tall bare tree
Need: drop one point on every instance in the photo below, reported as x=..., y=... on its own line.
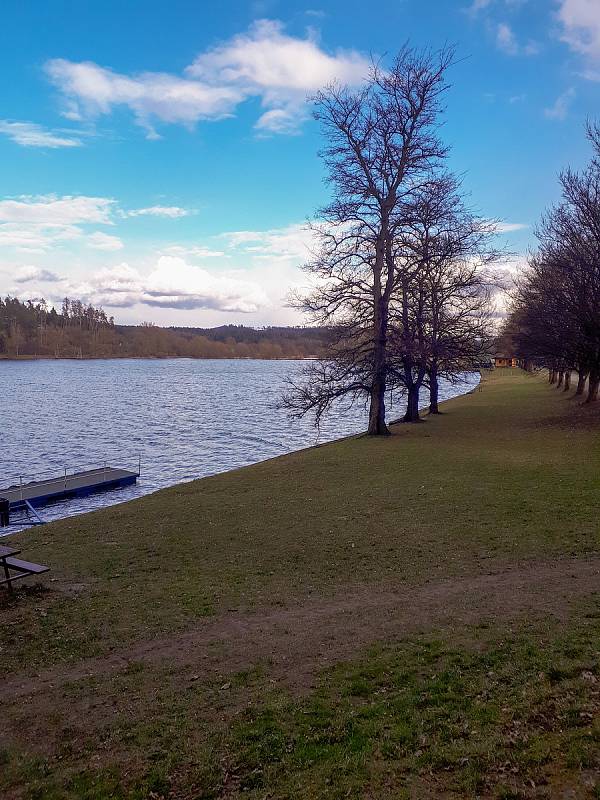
x=381, y=144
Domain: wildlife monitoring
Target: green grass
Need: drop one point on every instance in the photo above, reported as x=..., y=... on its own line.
x=491, y=717
x=503, y=476
x=506, y=476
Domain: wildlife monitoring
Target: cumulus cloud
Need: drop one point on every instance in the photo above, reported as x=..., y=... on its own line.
x=172, y=212
x=268, y=58
x=31, y=274
x=91, y=90
x=279, y=68
x=264, y=62
x=174, y=284
x=263, y=267
x=30, y=134
x=560, y=108
x=580, y=20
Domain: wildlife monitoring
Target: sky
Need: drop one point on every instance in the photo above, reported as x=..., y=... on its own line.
x=160, y=159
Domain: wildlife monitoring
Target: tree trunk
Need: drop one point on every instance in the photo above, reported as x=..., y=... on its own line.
x=434, y=389
x=377, y=426
x=412, y=405
x=593, y=385
x=552, y=376
x=561, y=375
x=567, y=381
x=581, y=383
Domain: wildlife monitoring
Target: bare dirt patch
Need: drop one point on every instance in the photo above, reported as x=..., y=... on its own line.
x=298, y=641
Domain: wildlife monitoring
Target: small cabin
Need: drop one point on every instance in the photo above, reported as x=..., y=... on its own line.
x=506, y=361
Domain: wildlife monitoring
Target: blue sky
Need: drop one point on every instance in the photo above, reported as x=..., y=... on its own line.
x=160, y=159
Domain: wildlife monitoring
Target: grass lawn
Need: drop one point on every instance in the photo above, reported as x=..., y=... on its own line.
x=411, y=617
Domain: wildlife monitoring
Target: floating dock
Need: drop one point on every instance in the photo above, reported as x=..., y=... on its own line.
x=77, y=484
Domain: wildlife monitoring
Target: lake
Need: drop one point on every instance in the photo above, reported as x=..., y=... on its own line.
x=184, y=418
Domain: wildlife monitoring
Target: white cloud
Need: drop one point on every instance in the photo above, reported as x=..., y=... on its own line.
x=179, y=282
x=102, y=241
x=505, y=39
x=174, y=284
x=266, y=58
x=274, y=258
x=280, y=69
x=560, y=109
x=508, y=43
x=509, y=227
x=265, y=62
x=29, y=134
x=293, y=243
x=478, y=5
x=580, y=20
x=35, y=224
x=36, y=238
x=29, y=274
x=194, y=251
x=52, y=210
x=279, y=120
x=172, y=212
x=91, y=90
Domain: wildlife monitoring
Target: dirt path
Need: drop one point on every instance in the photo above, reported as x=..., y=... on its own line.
x=300, y=640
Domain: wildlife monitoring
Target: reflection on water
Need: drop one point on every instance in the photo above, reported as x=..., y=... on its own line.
x=184, y=418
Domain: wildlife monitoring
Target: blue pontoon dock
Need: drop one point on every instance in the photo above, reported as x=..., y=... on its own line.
x=77, y=484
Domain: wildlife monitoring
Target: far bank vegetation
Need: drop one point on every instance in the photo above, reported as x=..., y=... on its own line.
x=33, y=329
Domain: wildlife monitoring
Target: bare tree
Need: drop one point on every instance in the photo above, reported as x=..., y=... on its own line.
x=444, y=299
x=382, y=143
x=558, y=307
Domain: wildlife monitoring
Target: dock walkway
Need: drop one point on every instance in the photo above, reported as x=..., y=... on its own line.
x=78, y=484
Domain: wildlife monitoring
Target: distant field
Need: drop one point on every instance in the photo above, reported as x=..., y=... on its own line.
x=411, y=617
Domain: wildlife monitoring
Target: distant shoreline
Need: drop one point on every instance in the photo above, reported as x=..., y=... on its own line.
x=155, y=358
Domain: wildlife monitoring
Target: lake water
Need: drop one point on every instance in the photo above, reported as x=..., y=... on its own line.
x=184, y=418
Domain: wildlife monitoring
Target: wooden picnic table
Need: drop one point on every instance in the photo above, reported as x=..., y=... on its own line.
x=6, y=552
x=14, y=568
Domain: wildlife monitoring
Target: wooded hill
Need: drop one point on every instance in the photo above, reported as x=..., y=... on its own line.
x=36, y=330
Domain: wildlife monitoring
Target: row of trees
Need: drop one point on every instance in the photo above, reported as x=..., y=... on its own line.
x=399, y=272
x=555, y=319
x=33, y=329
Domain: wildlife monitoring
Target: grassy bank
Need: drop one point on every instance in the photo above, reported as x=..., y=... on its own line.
x=416, y=616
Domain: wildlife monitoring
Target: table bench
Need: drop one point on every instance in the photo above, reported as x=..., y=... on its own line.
x=14, y=568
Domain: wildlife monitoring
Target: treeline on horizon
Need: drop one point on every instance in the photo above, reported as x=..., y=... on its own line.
x=34, y=329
